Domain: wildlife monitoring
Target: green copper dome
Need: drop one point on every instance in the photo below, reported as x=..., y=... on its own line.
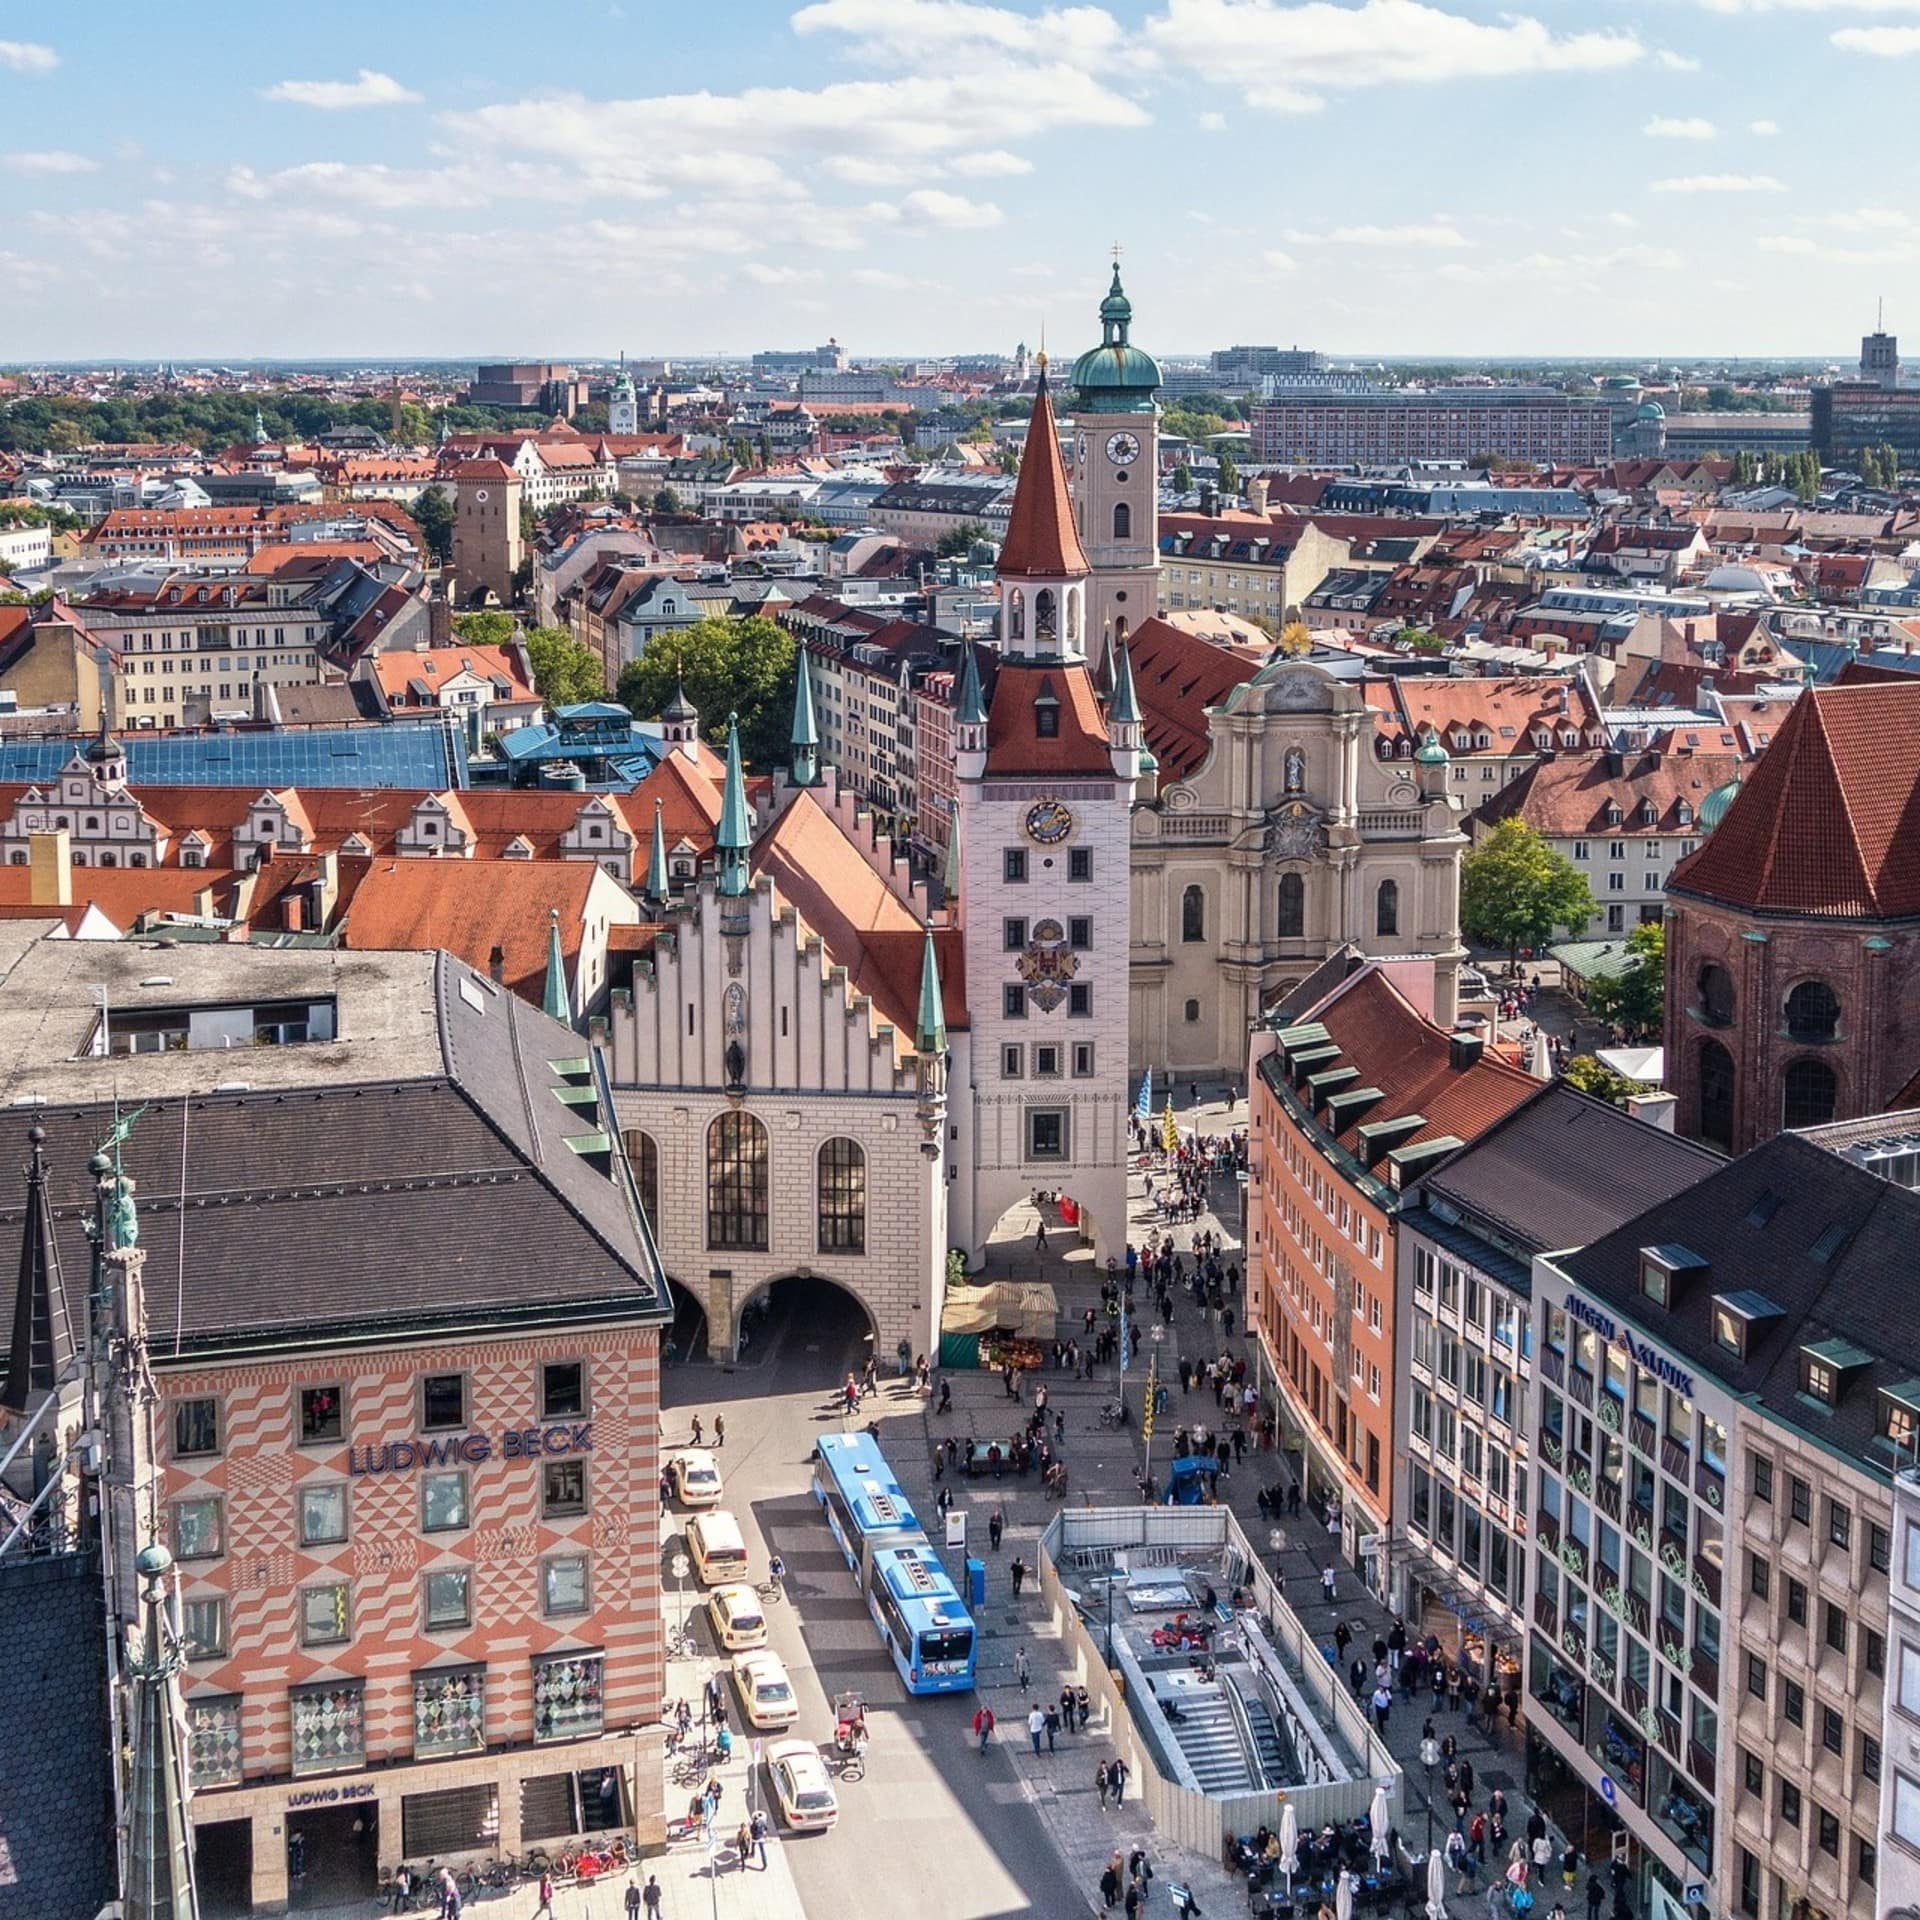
x=1115, y=376
x=1713, y=809
x=1429, y=753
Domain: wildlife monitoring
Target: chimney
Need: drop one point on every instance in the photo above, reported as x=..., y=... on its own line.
x=1463, y=1050
x=440, y=612
x=50, y=858
x=1209, y=502
x=1656, y=1108
x=497, y=966
x=1257, y=494
x=293, y=912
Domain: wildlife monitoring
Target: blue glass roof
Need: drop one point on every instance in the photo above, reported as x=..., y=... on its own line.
x=389, y=756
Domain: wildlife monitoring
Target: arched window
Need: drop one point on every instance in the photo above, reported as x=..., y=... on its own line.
x=1386, y=909
x=1016, y=615
x=1193, y=914
x=1119, y=629
x=1193, y=1013
x=1716, y=1094
x=1293, y=907
x=643, y=1156
x=1813, y=1011
x=1073, y=615
x=1044, y=616
x=1715, y=985
x=843, y=1197
x=1122, y=521
x=737, y=1184
x=1809, y=1092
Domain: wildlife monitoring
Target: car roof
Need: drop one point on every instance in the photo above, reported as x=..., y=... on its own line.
x=736, y=1593
x=696, y=1457
x=796, y=1750
x=758, y=1660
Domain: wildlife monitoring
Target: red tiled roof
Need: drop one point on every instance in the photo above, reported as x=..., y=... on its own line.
x=1177, y=676
x=1828, y=821
x=1014, y=742
x=1042, y=541
x=1569, y=795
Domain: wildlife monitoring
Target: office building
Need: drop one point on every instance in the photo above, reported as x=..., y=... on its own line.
x=1389, y=426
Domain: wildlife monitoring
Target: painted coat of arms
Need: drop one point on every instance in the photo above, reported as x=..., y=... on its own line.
x=1046, y=964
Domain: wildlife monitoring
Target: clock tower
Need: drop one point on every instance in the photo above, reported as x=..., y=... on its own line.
x=1116, y=473
x=1044, y=779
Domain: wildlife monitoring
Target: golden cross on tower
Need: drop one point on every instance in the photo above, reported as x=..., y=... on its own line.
x=1118, y=250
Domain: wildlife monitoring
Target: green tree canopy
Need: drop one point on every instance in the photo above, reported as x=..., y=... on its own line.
x=565, y=672
x=1515, y=891
x=433, y=515
x=492, y=629
x=727, y=666
x=958, y=541
x=1183, y=478
x=1635, y=999
x=1597, y=1078
x=1229, y=474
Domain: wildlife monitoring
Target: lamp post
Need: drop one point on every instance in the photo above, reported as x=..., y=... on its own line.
x=1429, y=1754
x=1109, y=1614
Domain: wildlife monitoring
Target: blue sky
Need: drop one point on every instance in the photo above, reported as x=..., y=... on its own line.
x=1387, y=176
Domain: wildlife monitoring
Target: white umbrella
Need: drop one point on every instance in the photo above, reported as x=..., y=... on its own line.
x=1343, y=1897
x=1289, y=1843
x=1540, y=1062
x=1436, y=1885
x=1380, y=1819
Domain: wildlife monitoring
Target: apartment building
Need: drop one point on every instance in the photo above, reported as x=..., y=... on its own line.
x=1254, y=564
x=1382, y=426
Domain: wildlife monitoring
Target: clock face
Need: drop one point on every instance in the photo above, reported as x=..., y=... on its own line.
x=1049, y=822
x=1123, y=449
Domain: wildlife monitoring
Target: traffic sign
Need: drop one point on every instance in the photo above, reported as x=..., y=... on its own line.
x=1608, y=1791
x=682, y=1566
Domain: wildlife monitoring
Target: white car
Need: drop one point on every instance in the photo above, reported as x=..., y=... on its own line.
x=739, y=1621
x=800, y=1784
x=766, y=1694
x=696, y=1478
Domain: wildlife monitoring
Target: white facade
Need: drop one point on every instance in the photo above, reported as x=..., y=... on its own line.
x=1899, y=1862
x=1116, y=491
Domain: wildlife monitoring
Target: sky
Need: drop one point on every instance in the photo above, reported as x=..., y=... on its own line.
x=1449, y=177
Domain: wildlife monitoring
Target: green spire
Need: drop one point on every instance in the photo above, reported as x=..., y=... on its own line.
x=657, y=863
x=971, y=704
x=930, y=1027
x=731, y=838
x=556, y=1000
x=806, y=735
x=159, y=1874
x=1123, y=710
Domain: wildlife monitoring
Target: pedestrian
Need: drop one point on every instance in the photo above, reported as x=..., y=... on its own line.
x=983, y=1725
x=449, y=1896
x=1109, y=1886
x=1382, y=1704
x=1542, y=1855
x=1066, y=1708
x=1036, y=1725
x=1357, y=1677
x=1397, y=1645
x=1569, y=1866
x=1140, y=1868
x=996, y=1526
x=1053, y=1724
x=1020, y=1669
x=650, y=1897
x=1596, y=1896
x=1018, y=1569
x=1326, y=1583
x=1119, y=1776
x=719, y=1431
x=1103, y=1785
x=1133, y=1899
x=743, y=1844
x=1342, y=1638
x=546, y=1895
x=699, y=1437
x=1466, y=1778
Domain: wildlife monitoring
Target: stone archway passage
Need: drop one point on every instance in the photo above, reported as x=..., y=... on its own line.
x=686, y=1339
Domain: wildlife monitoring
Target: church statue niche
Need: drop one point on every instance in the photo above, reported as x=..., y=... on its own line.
x=1295, y=771
x=1044, y=614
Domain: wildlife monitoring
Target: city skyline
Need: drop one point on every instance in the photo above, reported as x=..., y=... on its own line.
x=947, y=176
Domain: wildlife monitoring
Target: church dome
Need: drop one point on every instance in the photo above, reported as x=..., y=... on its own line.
x=1430, y=753
x=1651, y=410
x=1116, y=376
x=1713, y=809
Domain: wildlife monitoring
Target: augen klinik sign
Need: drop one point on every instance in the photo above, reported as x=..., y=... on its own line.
x=470, y=1449
x=1609, y=1330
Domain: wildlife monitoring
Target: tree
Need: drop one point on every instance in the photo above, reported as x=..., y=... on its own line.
x=1635, y=998
x=1745, y=470
x=1296, y=638
x=1183, y=478
x=433, y=515
x=494, y=629
x=1515, y=891
x=1419, y=640
x=1597, y=1078
x=1229, y=474
x=727, y=666
x=957, y=542
x=565, y=672
x=666, y=501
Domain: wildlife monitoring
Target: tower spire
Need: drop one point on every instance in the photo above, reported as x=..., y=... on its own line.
x=556, y=1000
x=806, y=734
x=1042, y=541
x=657, y=862
x=42, y=1347
x=159, y=1879
x=730, y=838
x=930, y=1025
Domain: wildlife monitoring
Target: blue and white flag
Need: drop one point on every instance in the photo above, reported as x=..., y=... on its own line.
x=1144, y=1105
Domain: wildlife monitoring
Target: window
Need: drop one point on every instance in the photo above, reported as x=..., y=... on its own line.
x=1013, y=866
x=1080, y=1001
x=843, y=1197
x=1789, y=1803
x=1759, y=1577
x=1012, y=1062
x=1046, y=1134
x=1828, y=1829
x=329, y=1727
x=1833, y=1731
x=1013, y=934
x=324, y=1615
x=448, y=1599
x=1193, y=1012
x=1193, y=914
x=1760, y=1472
x=443, y=1401
x=563, y=1389
x=1079, y=863
x=1874, y=1651
x=1753, y=1773
x=1796, y=1603
x=563, y=1584
x=196, y=1428
x=1809, y=1093
x=203, y=1626
x=1799, y=1499
x=323, y=1414
x=643, y=1156
x=323, y=1514
x=737, y=1183
x=1819, y=1379
x=1386, y=910
x=1122, y=521
x=1906, y=1807
x=1839, y=1524
x=443, y=1501
x=1716, y=1079
x=568, y=1696
x=1293, y=907
x=1879, y=1549
x=1756, y=1676
x=1869, y=1757
x=1080, y=932
x=1083, y=1059
x=449, y=1710
x=1013, y=1001
x=563, y=1488
x=1046, y=1063
x=1655, y=1282
x=1813, y=1011
x=1867, y=1862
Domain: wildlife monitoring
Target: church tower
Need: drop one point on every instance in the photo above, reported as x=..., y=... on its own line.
x=1116, y=472
x=1044, y=781
x=623, y=407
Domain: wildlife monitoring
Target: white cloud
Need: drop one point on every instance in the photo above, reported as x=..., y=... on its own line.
x=1786, y=243
x=950, y=209
x=1432, y=236
x=1663, y=127
x=387, y=188
x=944, y=31
x=1718, y=183
x=27, y=56
x=1285, y=58
x=1213, y=123
x=1811, y=6
x=1278, y=261
x=1618, y=219
x=766, y=276
x=1883, y=43
x=995, y=163
x=1766, y=129
x=882, y=279
x=52, y=160
x=366, y=89
x=1670, y=62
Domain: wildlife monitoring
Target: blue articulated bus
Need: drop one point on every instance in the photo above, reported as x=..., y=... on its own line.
x=863, y=1501
x=918, y=1611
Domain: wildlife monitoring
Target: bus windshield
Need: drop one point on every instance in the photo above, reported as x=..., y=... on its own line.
x=942, y=1647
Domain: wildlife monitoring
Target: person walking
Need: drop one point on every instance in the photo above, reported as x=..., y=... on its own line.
x=1326, y=1583
x=1382, y=1706
x=699, y=1433
x=1036, y=1725
x=1103, y=1785
x=546, y=1896
x=1140, y=1868
x=1018, y=1569
x=1109, y=1886
x=1053, y=1724
x=1342, y=1638
x=1020, y=1669
x=650, y=1897
x=996, y=1526
x=719, y=1431
x=743, y=1844
x=1118, y=1774
x=1596, y=1896
x=983, y=1725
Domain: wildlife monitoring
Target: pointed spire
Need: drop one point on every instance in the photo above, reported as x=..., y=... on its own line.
x=556, y=1000
x=970, y=704
x=930, y=1025
x=159, y=1880
x=1124, y=707
x=1042, y=541
x=657, y=884
x=806, y=733
x=730, y=839
x=42, y=1347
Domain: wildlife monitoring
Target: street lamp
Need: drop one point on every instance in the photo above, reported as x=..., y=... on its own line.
x=1109, y=1614
x=1429, y=1755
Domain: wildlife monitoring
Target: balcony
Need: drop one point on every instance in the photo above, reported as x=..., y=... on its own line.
x=1391, y=823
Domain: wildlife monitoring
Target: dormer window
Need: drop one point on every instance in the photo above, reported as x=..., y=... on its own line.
x=1663, y=1270
x=1898, y=1419
x=1685, y=814
x=1736, y=1318
x=1614, y=815
x=1826, y=1366
x=1656, y=1282
x=1647, y=814
x=1819, y=1380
